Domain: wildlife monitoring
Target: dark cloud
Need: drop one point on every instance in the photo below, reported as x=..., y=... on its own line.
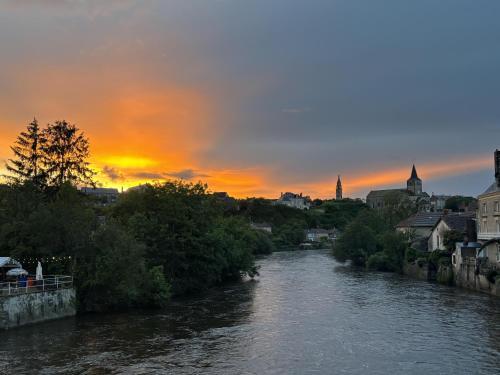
x=112, y=173
x=147, y=175
x=186, y=174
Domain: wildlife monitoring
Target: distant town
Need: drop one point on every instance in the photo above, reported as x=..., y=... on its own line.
x=473, y=221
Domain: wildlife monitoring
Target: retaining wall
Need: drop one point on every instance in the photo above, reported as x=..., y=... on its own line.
x=36, y=307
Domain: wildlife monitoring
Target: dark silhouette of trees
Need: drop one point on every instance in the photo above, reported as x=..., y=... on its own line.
x=52, y=156
x=27, y=164
x=66, y=152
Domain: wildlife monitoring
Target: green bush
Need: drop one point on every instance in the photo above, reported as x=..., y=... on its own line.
x=410, y=255
x=492, y=275
x=380, y=262
x=155, y=289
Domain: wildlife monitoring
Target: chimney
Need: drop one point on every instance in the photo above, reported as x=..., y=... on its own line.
x=497, y=167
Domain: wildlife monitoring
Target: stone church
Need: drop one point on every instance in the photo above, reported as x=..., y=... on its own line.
x=377, y=199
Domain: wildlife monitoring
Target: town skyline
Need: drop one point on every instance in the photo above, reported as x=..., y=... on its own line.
x=166, y=90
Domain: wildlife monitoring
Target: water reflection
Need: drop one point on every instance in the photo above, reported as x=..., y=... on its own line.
x=305, y=315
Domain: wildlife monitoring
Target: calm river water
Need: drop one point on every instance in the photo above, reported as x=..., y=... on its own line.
x=306, y=314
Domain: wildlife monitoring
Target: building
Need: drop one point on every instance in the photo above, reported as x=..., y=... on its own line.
x=262, y=226
x=465, y=254
x=318, y=234
x=338, y=195
x=104, y=196
x=378, y=199
x=419, y=225
x=488, y=219
x=463, y=223
x=294, y=200
x=414, y=183
x=438, y=202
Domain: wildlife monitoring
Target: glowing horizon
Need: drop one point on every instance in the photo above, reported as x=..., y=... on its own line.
x=216, y=91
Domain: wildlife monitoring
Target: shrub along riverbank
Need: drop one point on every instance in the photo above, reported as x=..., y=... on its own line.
x=370, y=241
x=161, y=240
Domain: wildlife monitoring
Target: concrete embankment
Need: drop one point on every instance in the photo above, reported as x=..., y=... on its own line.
x=29, y=308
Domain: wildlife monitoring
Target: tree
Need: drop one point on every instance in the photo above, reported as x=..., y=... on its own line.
x=451, y=237
x=28, y=156
x=66, y=153
x=458, y=202
x=184, y=231
x=394, y=247
x=359, y=239
x=397, y=206
x=112, y=274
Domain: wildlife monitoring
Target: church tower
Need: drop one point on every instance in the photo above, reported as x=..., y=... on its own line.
x=414, y=184
x=339, y=190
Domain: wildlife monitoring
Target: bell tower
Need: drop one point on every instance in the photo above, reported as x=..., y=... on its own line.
x=414, y=184
x=338, y=195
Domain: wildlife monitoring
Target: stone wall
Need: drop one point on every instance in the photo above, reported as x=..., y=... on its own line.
x=417, y=270
x=445, y=274
x=31, y=308
x=468, y=276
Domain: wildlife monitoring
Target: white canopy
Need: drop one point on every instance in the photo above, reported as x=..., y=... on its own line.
x=17, y=272
x=7, y=261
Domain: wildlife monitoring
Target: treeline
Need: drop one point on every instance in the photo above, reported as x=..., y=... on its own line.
x=157, y=241
x=370, y=240
x=289, y=224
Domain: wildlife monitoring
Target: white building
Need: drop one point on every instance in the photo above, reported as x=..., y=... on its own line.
x=458, y=222
x=294, y=200
x=316, y=235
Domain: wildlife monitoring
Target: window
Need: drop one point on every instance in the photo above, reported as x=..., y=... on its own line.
x=498, y=253
x=484, y=226
x=485, y=208
x=454, y=259
x=497, y=225
x=497, y=206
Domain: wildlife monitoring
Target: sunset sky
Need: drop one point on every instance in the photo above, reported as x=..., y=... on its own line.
x=263, y=96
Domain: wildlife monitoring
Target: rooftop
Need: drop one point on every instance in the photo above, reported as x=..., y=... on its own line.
x=421, y=219
x=458, y=221
x=380, y=193
x=494, y=188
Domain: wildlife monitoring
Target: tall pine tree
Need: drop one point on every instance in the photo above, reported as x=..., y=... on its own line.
x=66, y=153
x=27, y=164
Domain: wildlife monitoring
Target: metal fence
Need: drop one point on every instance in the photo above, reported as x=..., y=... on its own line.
x=49, y=282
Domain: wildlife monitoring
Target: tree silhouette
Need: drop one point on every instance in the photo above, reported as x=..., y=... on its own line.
x=27, y=164
x=66, y=151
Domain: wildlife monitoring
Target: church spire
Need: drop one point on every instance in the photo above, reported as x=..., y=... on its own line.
x=339, y=189
x=414, y=183
x=414, y=175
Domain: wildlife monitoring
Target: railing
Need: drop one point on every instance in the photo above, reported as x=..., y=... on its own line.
x=49, y=282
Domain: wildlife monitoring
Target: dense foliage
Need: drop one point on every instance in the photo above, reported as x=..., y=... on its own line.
x=159, y=240
x=184, y=230
x=162, y=239
x=289, y=224
x=458, y=202
x=370, y=241
x=51, y=156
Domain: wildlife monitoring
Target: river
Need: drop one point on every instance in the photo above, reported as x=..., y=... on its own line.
x=305, y=314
